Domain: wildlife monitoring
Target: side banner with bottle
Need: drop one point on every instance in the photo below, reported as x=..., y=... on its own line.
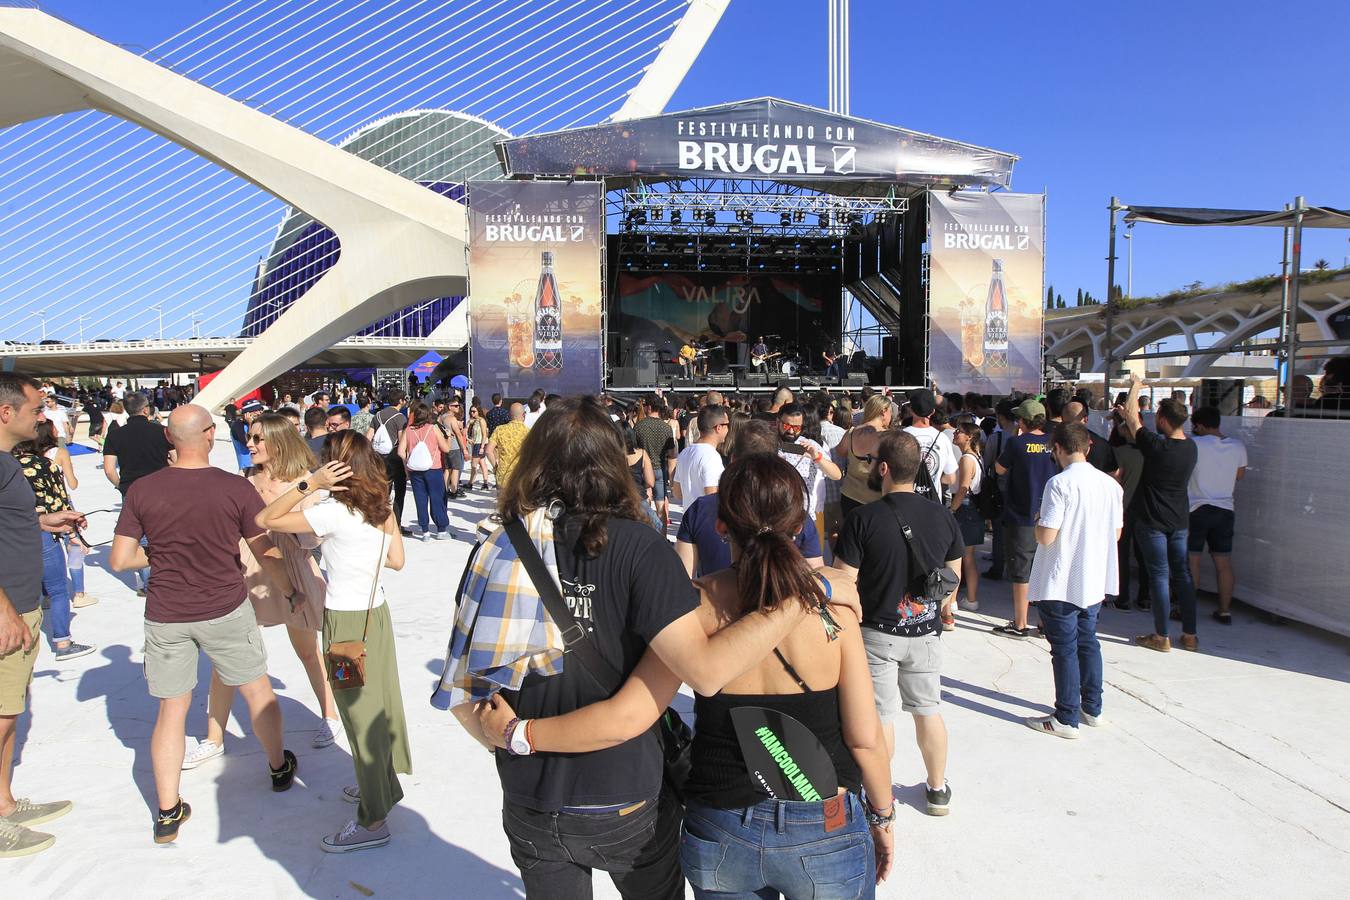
x=534, y=284
x=985, y=290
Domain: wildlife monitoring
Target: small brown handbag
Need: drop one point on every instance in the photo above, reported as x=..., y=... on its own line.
x=347, y=659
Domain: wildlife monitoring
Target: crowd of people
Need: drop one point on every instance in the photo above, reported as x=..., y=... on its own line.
x=824, y=542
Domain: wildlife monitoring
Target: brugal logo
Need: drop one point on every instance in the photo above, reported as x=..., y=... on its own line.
x=797, y=155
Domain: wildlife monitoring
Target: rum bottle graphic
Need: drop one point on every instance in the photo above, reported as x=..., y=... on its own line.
x=548, y=348
x=996, y=321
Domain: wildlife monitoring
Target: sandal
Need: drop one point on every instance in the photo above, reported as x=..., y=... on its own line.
x=948, y=622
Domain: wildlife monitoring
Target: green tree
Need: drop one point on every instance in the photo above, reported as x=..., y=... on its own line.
x=1049, y=298
x=1079, y=300
x=1321, y=265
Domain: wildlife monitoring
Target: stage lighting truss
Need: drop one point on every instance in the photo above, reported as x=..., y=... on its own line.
x=740, y=207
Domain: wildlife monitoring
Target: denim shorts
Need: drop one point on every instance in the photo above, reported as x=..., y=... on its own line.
x=779, y=846
x=972, y=524
x=658, y=484
x=1212, y=525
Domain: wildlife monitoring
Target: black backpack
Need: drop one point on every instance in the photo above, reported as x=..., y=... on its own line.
x=923, y=480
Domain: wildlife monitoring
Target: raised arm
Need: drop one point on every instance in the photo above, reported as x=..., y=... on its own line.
x=626, y=715
x=707, y=663
x=1130, y=414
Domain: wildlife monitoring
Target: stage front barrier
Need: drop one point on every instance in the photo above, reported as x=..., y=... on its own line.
x=1291, y=547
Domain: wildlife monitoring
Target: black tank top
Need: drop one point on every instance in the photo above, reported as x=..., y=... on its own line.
x=719, y=777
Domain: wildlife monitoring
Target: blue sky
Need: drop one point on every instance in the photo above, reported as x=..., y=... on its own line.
x=1194, y=103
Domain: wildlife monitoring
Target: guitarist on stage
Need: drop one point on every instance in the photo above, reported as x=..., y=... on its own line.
x=688, y=353
x=836, y=364
x=758, y=356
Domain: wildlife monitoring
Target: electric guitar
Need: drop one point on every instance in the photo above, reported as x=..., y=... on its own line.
x=760, y=360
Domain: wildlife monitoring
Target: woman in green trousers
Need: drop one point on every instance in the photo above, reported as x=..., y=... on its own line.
x=359, y=540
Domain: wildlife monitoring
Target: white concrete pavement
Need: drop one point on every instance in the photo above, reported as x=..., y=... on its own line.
x=1220, y=773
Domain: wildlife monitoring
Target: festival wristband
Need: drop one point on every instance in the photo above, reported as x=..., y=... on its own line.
x=880, y=820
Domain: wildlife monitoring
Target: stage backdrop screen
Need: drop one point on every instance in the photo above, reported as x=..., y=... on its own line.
x=986, y=269
x=659, y=311
x=534, y=278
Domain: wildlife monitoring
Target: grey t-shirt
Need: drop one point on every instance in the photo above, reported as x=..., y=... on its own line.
x=20, y=538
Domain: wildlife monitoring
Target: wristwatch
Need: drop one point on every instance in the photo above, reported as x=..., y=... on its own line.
x=517, y=740
x=302, y=487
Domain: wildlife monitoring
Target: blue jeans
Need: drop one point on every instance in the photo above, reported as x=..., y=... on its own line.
x=75, y=564
x=1169, y=575
x=776, y=848
x=429, y=498
x=55, y=587
x=1075, y=656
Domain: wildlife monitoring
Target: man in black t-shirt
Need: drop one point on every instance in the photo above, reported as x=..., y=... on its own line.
x=901, y=627
x=1100, y=454
x=137, y=449
x=1161, y=512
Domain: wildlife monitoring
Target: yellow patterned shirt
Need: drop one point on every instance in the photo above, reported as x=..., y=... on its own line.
x=508, y=439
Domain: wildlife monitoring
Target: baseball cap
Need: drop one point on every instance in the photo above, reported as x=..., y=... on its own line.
x=923, y=403
x=1029, y=410
x=252, y=406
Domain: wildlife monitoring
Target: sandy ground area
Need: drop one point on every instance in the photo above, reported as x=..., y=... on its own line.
x=1222, y=773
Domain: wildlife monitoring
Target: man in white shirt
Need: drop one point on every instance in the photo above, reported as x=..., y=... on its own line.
x=699, y=466
x=60, y=419
x=935, y=447
x=1220, y=464
x=1082, y=514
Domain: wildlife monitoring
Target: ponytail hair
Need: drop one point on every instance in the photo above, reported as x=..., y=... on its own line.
x=762, y=503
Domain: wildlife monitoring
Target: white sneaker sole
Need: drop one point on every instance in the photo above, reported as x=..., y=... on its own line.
x=189, y=764
x=1038, y=725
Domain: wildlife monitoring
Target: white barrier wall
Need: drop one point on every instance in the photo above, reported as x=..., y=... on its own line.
x=1291, y=546
x=1291, y=549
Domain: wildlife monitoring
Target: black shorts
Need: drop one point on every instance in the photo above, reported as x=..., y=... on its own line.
x=1212, y=525
x=1019, y=543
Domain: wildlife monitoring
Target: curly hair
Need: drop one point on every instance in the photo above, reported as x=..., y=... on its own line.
x=368, y=489
x=574, y=455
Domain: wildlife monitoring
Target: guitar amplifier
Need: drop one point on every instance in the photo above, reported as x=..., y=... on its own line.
x=753, y=379
x=856, y=380
x=722, y=379
x=684, y=383
x=624, y=376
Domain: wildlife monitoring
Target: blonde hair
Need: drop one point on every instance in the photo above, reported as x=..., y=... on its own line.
x=875, y=407
x=289, y=457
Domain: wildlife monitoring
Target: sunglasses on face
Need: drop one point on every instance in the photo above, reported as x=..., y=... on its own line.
x=255, y=439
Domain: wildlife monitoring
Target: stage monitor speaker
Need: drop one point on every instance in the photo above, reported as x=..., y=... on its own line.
x=722, y=379
x=858, y=379
x=624, y=377
x=753, y=379
x=684, y=383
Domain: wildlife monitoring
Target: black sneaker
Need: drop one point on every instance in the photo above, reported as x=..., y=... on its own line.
x=167, y=824
x=283, y=778
x=938, y=801
x=1012, y=631
x=1143, y=603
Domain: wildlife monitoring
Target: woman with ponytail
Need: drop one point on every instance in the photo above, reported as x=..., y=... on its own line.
x=813, y=812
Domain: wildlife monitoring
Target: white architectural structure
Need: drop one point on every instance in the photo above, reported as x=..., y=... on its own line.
x=1231, y=316
x=400, y=243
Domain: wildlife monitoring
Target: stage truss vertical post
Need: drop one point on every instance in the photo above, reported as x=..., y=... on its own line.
x=925, y=286
x=1291, y=335
x=1114, y=207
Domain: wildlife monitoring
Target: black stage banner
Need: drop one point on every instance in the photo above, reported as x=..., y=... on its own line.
x=763, y=138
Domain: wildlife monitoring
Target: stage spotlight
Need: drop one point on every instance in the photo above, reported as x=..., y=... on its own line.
x=676, y=217
x=710, y=218
x=825, y=221
x=799, y=216
x=785, y=219
x=658, y=213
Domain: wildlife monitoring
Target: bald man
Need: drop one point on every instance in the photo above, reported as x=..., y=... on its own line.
x=1100, y=454
x=504, y=445
x=193, y=516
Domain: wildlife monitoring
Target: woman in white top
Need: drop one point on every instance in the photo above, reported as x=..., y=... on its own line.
x=359, y=539
x=969, y=441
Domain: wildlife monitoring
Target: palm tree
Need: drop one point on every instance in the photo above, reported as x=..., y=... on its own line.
x=1321, y=265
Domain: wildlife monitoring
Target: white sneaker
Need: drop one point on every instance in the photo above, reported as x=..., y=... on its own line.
x=426, y=538
x=200, y=753
x=1051, y=725
x=968, y=606
x=327, y=733
x=1090, y=720
x=354, y=837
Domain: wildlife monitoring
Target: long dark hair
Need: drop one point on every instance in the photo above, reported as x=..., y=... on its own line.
x=762, y=503
x=574, y=455
x=367, y=491
x=43, y=440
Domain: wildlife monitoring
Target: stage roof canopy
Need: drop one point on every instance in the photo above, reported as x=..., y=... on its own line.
x=760, y=139
x=1313, y=216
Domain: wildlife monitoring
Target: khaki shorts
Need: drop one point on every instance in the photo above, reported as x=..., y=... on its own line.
x=16, y=668
x=233, y=643
x=906, y=673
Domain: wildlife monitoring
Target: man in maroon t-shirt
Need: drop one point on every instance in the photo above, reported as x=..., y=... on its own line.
x=193, y=516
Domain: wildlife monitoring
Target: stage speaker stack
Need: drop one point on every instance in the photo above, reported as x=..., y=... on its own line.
x=753, y=379
x=684, y=383
x=722, y=379
x=624, y=377
x=857, y=379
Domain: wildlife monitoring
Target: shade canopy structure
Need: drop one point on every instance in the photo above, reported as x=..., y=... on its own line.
x=1313, y=216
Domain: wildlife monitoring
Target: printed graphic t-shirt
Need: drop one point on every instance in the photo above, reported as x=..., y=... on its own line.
x=1030, y=466
x=623, y=598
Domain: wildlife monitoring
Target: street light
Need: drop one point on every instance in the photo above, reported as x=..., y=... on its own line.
x=159, y=310
x=196, y=325
x=42, y=315
x=80, y=320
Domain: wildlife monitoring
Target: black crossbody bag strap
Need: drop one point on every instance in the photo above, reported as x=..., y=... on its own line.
x=574, y=636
